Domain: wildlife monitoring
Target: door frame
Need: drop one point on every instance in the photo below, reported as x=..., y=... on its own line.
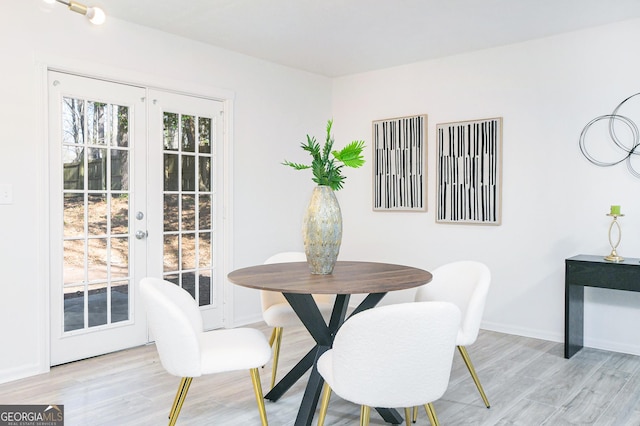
x=46, y=63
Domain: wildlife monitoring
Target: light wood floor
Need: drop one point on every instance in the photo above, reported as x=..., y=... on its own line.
x=527, y=381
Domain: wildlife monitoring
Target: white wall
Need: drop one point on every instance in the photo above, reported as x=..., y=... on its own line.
x=554, y=200
x=274, y=107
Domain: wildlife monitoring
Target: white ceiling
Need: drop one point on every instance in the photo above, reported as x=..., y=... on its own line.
x=341, y=37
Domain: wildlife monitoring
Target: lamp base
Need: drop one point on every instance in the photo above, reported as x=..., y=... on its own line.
x=613, y=257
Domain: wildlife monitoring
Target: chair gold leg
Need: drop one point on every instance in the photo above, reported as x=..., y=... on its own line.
x=276, y=354
x=179, y=399
x=324, y=404
x=365, y=412
x=257, y=389
x=415, y=414
x=476, y=380
x=431, y=413
x=407, y=416
x=273, y=336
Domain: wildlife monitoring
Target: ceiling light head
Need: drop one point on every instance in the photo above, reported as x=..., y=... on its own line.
x=96, y=15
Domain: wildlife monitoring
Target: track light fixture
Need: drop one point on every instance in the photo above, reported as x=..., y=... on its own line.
x=94, y=14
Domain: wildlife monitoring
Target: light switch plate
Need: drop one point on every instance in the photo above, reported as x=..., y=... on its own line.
x=6, y=194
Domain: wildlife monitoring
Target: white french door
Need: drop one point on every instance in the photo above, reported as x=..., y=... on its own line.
x=186, y=151
x=132, y=193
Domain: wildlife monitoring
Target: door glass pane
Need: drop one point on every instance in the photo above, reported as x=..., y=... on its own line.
x=204, y=174
x=97, y=118
x=171, y=132
x=73, y=167
x=204, y=210
x=119, y=257
x=188, y=251
x=188, y=213
x=119, y=301
x=189, y=283
x=73, y=215
x=171, y=219
x=73, y=121
x=188, y=133
x=97, y=260
x=171, y=253
x=204, y=249
x=74, y=270
x=96, y=210
x=97, y=169
x=73, y=309
x=187, y=203
x=119, y=214
x=188, y=173
x=97, y=304
x=119, y=170
x=120, y=129
x=205, y=287
x=204, y=134
x=171, y=169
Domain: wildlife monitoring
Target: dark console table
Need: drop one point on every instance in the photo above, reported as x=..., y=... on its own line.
x=591, y=271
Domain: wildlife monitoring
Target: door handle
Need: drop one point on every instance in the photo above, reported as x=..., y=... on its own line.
x=142, y=234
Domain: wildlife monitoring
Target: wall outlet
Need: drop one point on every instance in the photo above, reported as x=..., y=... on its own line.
x=6, y=194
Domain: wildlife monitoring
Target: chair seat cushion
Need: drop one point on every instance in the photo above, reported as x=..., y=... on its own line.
x=282, y=314
x=233, y=349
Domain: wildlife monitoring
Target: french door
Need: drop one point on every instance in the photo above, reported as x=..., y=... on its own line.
x=132, y=193
x=186, y=136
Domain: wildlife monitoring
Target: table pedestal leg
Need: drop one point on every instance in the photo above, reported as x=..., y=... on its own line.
x=293, y=376
x=311, y=393
x=307, y=310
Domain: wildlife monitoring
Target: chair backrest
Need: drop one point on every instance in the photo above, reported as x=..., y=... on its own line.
x=175, y=323
x=466, y=284
x=270, y=298
x=397, y=355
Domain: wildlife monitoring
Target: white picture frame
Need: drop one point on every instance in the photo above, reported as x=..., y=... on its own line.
x=469, y=172
x=400, y=164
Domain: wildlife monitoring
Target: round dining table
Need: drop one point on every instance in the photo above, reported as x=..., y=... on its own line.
x=297, y=284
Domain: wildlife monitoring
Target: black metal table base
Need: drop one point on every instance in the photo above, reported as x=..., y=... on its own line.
x=305, y=307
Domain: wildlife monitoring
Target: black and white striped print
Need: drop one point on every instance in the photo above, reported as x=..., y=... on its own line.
x=399, y=162
x=469, y=171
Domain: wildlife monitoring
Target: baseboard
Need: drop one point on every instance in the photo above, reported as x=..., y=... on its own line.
x=523, y=331
x=608, y=345
x=605, y=345
x=11, y=375
x=244, y=321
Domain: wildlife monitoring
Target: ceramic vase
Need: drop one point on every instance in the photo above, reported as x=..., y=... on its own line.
x=322, y=230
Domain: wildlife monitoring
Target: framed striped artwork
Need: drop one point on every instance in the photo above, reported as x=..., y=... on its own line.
x=400, y=164
x=469, y=172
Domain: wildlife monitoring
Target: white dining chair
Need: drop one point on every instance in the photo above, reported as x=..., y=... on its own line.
x=466, y=284
x=186, y=351
x=277, y=312
x=380, y=358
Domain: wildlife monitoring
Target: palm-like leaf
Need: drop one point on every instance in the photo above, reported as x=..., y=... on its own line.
x=351, y=155
x=325, y=170
x=296, y=166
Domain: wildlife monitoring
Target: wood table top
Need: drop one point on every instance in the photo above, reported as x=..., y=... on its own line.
x=348, y=277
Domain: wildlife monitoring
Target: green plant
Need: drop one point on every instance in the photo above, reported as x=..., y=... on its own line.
x=327, y=164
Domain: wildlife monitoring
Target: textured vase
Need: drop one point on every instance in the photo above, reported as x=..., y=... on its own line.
x=322, y=230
